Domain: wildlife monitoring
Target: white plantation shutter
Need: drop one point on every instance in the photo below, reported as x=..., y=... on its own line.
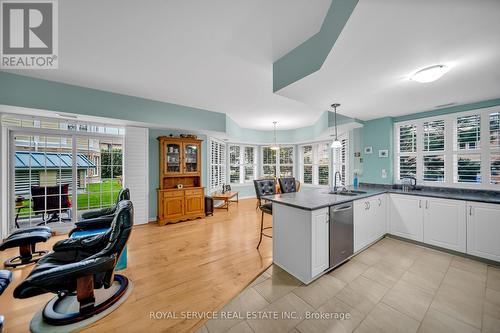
x=217, y=164
x=407, y=138
x=457, y=149
x=494, y=124
x=406, y=150
x=323, y=163
x=468, y=132
x=136, y=175
x=434, y=141
x=340, y=161
x=467, y=163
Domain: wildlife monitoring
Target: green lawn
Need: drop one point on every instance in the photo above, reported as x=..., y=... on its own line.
x=95, y=196
x=99, y=195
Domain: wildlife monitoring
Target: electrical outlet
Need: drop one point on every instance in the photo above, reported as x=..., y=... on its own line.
x=384, y=173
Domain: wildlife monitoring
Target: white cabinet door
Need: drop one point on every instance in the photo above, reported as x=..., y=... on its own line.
x=361, y=226
x=369, y=221
x=378, y=206
x=444, y=223
x=483, y=230
x=406, y=217
x=320, y=241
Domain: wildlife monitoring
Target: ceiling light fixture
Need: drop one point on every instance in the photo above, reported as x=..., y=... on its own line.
x=336, y=143
x=275, y=145
x=430, y=74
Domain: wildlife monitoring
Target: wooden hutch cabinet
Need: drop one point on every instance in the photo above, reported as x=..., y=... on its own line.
x=180, y=196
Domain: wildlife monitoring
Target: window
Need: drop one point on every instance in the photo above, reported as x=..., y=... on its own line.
x=307, y=164
x=315, y=163
x=241, y=164
x=217, y=164
x=277, y=163
x=461, y=149
x=286, y=161
x=268, y=162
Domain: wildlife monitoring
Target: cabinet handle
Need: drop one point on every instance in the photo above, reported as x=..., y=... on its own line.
x=379, y=202
x=426, y=204
x=419, y=203
x=470, y=210
x=368, y=204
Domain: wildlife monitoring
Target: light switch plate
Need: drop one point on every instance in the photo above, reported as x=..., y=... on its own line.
x=384, y=173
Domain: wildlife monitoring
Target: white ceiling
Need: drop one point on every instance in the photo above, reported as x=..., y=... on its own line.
x=215, y=55
x=218, y=55
x=385, y=41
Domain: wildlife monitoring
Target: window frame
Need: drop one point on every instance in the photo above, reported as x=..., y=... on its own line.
x=241, y=163
x=451, y=151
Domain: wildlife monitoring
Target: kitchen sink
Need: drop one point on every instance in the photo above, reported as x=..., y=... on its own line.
x=347, y=193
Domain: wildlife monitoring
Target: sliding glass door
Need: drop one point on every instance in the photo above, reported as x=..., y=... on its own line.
x=55, y=177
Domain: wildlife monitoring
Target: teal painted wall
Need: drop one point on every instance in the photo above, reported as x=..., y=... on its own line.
x=378, y=134
x=154, y=165
x=309, y=56
x=22, y=91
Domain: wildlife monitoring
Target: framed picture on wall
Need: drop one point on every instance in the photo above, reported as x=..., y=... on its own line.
x=383, y=153
x=368, y=150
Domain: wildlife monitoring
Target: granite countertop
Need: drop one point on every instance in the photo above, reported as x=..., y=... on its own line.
x=320, y=198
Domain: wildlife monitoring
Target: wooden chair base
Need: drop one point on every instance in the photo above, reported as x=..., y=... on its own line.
x=86, y=300
x=27, y=255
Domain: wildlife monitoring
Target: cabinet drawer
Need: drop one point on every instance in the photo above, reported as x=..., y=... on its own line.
x=197, y=191
x=170, y=194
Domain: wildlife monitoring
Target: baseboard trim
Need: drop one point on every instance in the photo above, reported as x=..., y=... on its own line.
x=442, y=249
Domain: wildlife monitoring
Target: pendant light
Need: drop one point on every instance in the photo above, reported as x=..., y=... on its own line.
x=336, y=143
x=275, y=145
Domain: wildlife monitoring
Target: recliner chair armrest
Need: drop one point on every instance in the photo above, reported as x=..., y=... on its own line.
x=98, y=213
x=48, y=280
x=85, y=243
x=95, y=223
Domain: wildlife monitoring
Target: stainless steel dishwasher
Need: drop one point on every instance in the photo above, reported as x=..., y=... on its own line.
x=341, y=233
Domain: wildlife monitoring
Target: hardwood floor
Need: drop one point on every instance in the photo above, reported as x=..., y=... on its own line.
x=187, y=268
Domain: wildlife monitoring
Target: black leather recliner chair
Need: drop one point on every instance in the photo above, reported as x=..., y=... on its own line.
x=100, y=218
x=81, y=265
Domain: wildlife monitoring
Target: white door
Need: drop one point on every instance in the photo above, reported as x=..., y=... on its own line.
x=406, y=217
x=320, y=241
x=444, y=223
x=483, y=230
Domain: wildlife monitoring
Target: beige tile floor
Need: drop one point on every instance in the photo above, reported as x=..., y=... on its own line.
x=393, y=286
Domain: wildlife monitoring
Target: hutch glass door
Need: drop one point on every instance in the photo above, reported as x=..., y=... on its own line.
x=191, y=157
x=173, y=158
